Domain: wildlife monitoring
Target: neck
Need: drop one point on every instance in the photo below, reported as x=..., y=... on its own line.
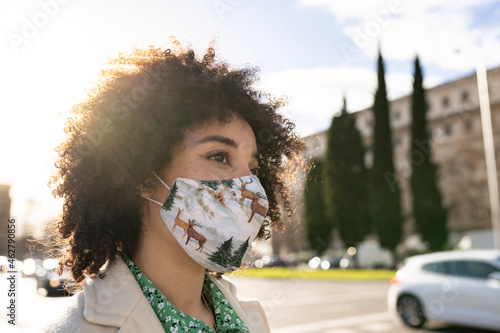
x=170, y=268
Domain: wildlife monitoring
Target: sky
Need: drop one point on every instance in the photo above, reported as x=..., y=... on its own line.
x=310, y=51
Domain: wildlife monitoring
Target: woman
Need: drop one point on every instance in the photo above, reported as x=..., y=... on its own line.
x=172, y=166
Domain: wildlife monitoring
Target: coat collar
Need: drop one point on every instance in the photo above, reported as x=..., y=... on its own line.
x=117, y=300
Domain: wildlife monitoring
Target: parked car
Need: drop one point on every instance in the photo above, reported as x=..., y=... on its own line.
x=457, y=287
x=272, y=261
x=54, y=284
x=48, y=279
x=367, y=254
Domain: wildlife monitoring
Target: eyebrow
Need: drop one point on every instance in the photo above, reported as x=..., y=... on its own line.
x=218, y=138
x=224, y=140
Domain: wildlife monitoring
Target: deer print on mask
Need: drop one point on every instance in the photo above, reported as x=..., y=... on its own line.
x=195, y=234
x=223, y=217
x=180, y=223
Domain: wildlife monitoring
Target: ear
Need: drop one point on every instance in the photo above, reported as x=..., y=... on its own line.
x=141, y=191
x=144, y=189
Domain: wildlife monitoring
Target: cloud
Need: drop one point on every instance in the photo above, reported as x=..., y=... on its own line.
x=346, y=10
x=362, y=9
x=435, y=30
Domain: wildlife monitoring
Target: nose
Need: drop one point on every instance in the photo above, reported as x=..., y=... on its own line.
x=243, y=171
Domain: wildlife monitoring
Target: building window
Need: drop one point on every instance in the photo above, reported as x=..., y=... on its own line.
x=448, y=130
x=465, y=96
x=445, y=101
x=396, y=115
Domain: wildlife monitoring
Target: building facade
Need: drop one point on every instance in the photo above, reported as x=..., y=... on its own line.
x=456, y=140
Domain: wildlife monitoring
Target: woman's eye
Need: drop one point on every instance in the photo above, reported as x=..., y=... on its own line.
x=255, y=171
x=221, y=157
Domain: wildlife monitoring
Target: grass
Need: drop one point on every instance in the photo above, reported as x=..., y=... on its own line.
x=329, y=274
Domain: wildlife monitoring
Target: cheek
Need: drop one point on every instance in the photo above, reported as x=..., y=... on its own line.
x=200, y=170
x=205, y=172
x=197, y=168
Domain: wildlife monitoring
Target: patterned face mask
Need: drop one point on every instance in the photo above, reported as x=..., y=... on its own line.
x=215, y=221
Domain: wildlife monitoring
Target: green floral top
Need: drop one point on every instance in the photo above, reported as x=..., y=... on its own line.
x=174, y=320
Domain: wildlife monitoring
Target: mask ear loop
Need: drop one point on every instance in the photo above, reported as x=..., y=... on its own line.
x=161, y=181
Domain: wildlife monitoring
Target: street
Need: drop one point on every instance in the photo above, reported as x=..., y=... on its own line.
x=315, y=306
x=292, y=305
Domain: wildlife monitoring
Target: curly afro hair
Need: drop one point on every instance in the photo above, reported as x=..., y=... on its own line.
x=142, y=105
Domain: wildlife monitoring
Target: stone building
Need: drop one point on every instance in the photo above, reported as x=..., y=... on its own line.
x=455, y=133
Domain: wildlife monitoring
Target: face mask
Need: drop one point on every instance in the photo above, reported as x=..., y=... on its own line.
x=215, y=221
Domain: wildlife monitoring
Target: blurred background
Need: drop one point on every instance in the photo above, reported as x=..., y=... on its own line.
x=395, y=145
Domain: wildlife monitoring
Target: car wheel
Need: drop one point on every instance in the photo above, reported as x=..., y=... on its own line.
x=410, y=311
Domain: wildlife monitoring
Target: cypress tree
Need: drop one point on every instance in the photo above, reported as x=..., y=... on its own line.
x=213, y=184
x=428, y=211
x=228, y=183
x=223, y=254
x=345, y=187
x=385, y=200
x=237, y=257
x=318, y=227
x=170, y=199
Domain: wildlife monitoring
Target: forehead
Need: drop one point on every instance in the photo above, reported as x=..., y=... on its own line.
x=236, y=129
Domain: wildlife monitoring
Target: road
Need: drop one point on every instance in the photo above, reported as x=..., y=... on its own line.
x=293, y=306
x=314, y=306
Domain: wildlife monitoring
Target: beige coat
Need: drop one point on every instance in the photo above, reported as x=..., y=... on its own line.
x=116, y=304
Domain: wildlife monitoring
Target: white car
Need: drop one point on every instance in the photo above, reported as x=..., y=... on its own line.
x=457, y=287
